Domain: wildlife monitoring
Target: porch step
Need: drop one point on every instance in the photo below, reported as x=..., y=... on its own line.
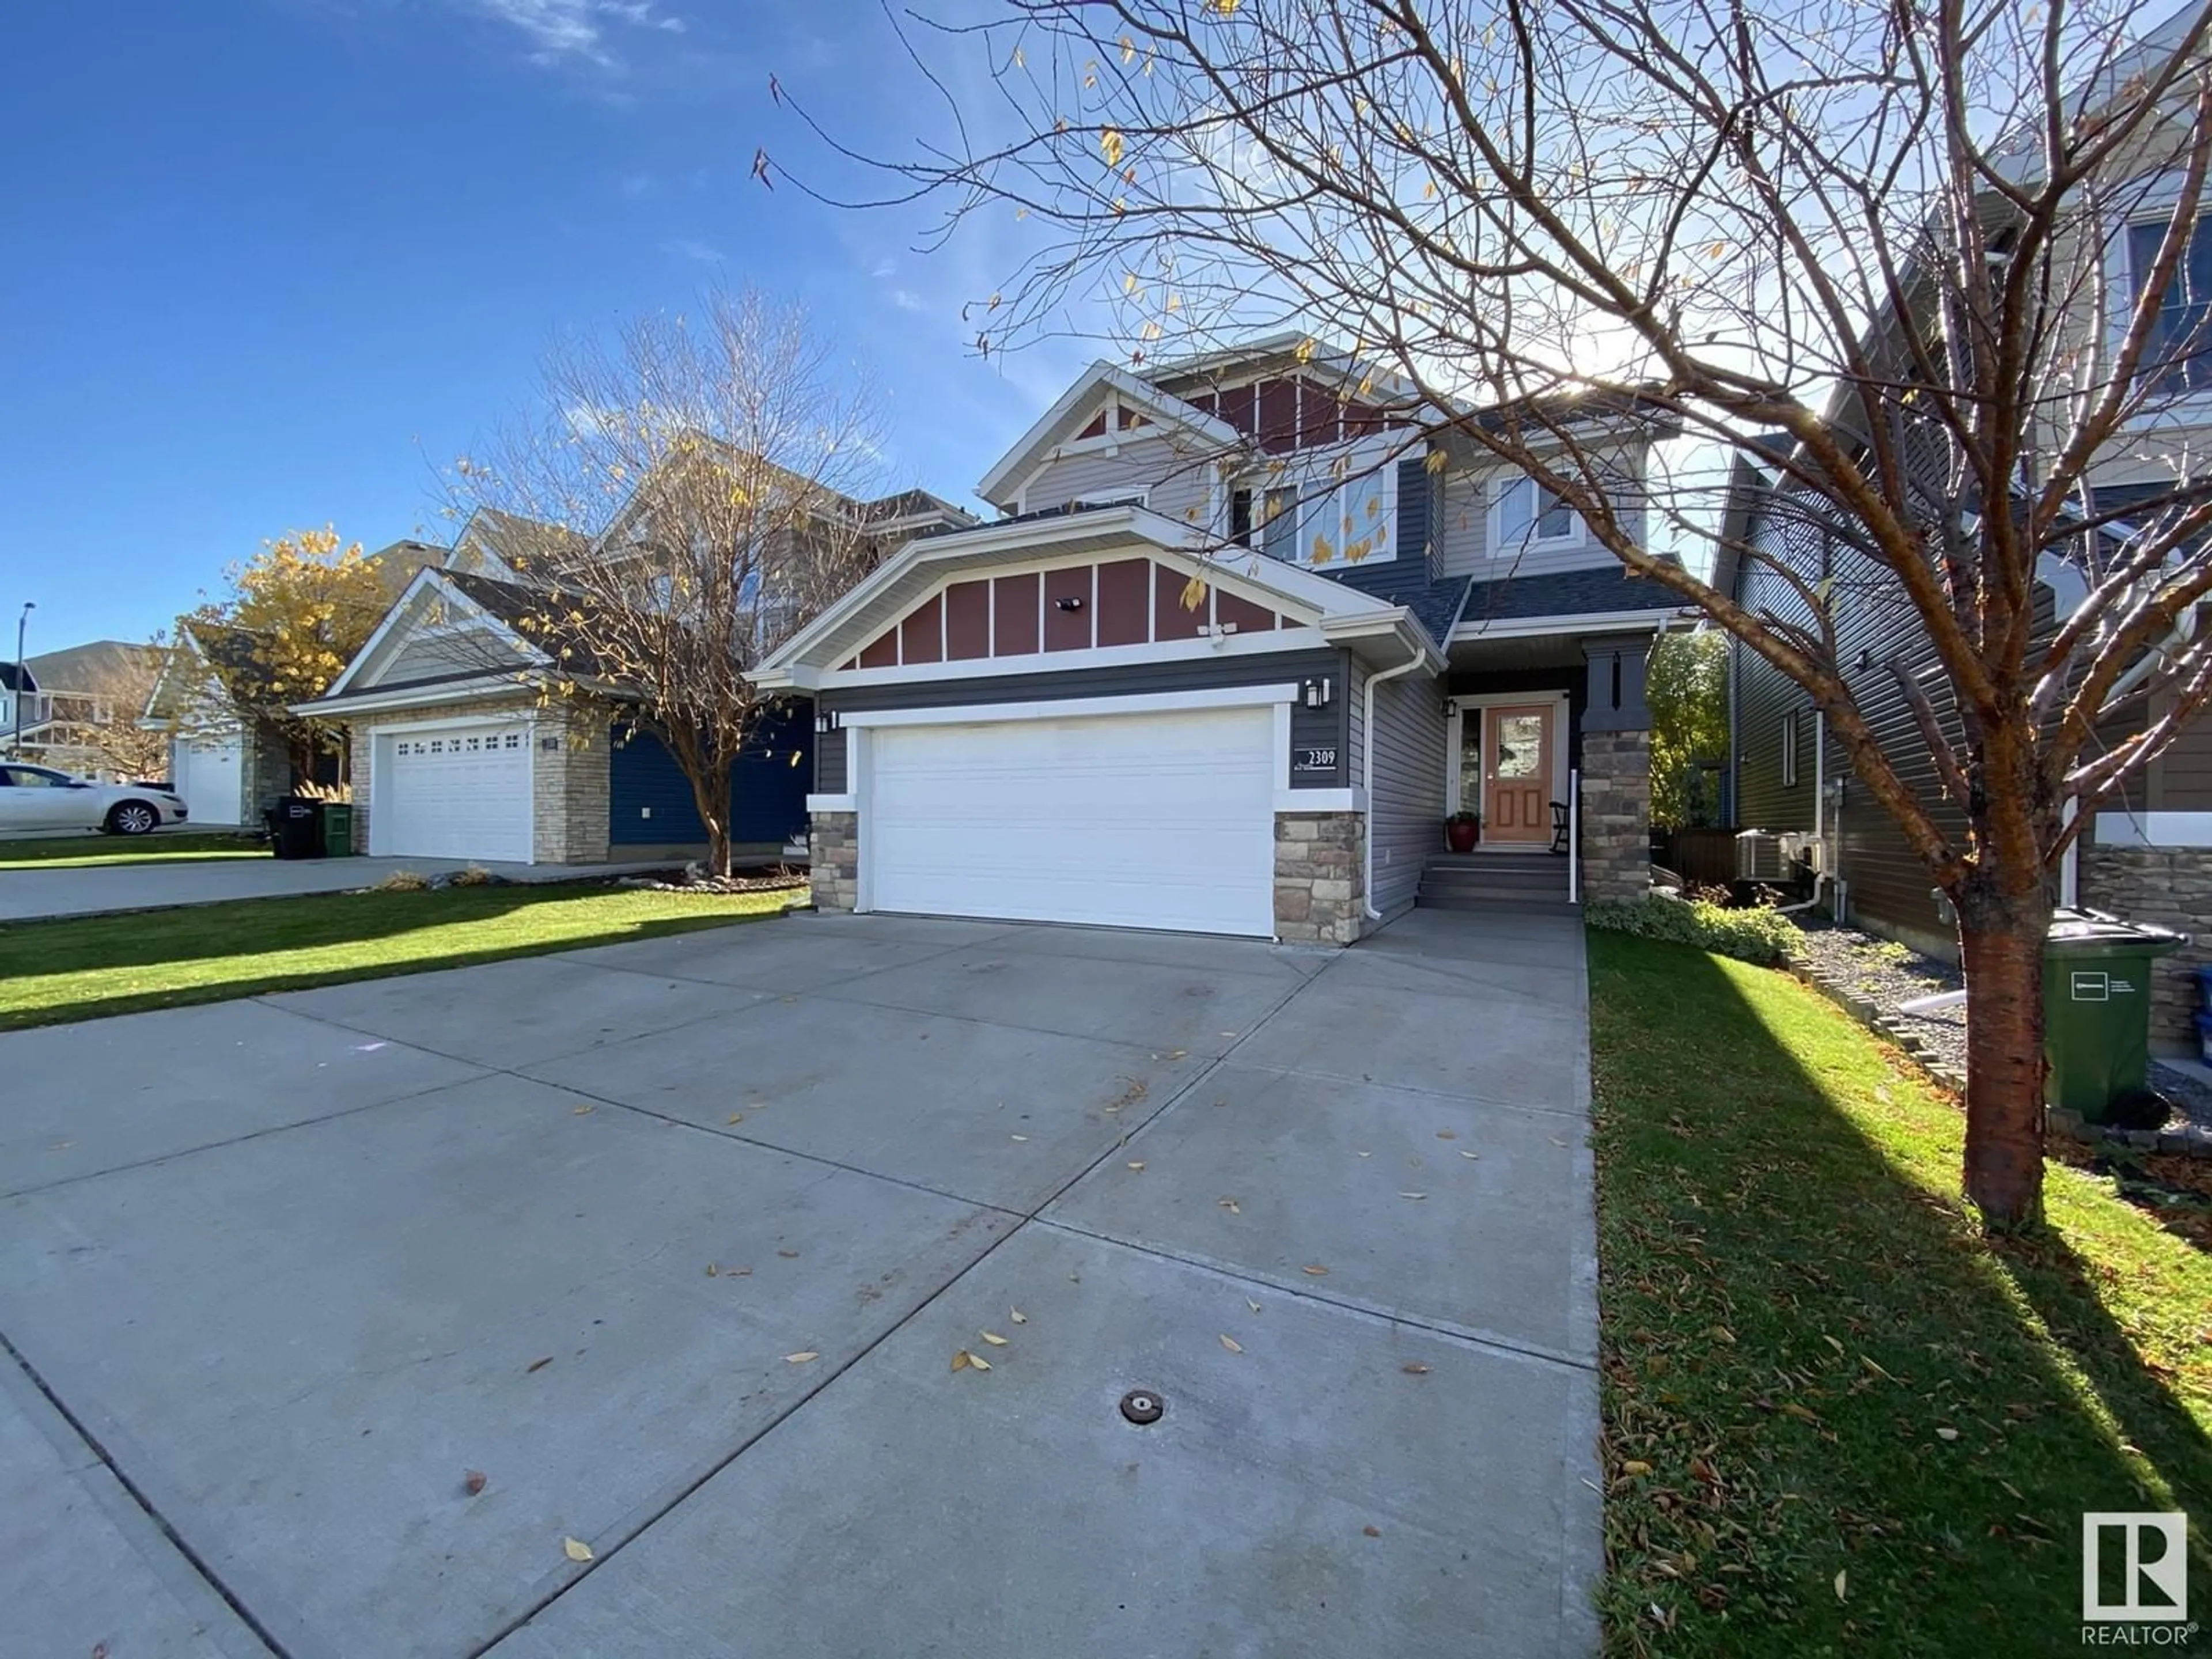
x=1481, y=881
x=1558, y=907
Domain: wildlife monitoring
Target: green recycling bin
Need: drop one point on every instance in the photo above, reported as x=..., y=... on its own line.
x=2096, y=1007
x=336, y=817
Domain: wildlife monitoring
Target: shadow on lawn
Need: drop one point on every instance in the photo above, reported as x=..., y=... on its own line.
x=1826, y=1368
x=149, y=940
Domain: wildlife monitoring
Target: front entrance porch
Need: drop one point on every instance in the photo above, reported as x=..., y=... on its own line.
x=1547, y=742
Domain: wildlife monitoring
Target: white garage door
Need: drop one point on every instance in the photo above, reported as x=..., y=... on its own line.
x=209, y=776
x=1126, y=821
x=457, y=791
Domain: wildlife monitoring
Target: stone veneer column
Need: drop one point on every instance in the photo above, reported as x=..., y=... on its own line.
x=1616, y=855
x=833, y=847
x=2170, y=887
x=1321, y=892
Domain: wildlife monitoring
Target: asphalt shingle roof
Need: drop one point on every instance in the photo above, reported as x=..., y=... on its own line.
x=1567, y=594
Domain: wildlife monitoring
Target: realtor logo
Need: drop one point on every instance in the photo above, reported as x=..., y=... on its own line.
x=2099, y=987
x=2152, y=1551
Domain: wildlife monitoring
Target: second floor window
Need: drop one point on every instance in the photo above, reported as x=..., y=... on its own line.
x=1346, y=516
x=2178, y=356
x=1526, y=515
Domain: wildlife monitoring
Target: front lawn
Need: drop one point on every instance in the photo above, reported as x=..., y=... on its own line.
x=82, y=967
x=1838, y=1420
x=82, y=852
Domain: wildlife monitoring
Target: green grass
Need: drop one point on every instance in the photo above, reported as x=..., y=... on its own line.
x=1838, y=1418
x=84, y=968
x=83, y=852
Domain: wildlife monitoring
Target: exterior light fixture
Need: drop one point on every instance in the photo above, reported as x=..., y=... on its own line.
x=1071, y=602
x=826, y=720
x=1317, y=693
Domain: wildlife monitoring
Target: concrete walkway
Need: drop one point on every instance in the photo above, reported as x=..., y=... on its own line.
x=31, y=895
x=675, y=1243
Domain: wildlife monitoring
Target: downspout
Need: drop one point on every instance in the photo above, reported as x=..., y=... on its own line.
x=1367, y=780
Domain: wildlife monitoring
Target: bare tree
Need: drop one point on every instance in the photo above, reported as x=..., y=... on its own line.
x=1944, y=248
x=692, y=493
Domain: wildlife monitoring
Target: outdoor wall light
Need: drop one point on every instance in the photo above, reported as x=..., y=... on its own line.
x=1071, y=602
x=1317, y=694
x=826, y=720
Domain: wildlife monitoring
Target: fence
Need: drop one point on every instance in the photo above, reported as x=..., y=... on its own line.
x=1705, y=856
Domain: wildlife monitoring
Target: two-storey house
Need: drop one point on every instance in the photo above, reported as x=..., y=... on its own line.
x=1248, y=629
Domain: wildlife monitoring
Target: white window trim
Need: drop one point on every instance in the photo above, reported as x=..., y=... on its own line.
x=1577, y=536
x=2156, y=201
x=1116, y=498
x=1312, y=474
x=2124, y=829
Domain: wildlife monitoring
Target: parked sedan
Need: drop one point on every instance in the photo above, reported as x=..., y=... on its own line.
x=39, y=797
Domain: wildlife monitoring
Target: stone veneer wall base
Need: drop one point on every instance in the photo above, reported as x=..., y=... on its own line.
x=1321, y=892
x=1616, y=815
x=833, y=848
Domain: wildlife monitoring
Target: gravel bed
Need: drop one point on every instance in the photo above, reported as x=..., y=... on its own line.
x=1887, y=974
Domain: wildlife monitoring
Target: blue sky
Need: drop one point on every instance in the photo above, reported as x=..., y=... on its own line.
x=268, y=263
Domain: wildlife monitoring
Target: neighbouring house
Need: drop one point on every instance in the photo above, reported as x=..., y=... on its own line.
x=229, y=761
x=460, y=749
x=1233, y=653
x=2148, y=854
x=74, y=710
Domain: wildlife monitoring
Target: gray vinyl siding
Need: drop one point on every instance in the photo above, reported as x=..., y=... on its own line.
x=2180, y=779
x=1328, y=727
x=1405, y=796
x=1463, y=526
x=439, y=656
x=1175, y=476
x=1764, y=695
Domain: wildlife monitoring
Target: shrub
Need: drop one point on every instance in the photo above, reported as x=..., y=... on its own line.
x=475, y=876
x=404, y=881
x=1760, y=934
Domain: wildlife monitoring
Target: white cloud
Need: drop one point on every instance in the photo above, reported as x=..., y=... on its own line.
x=884, y=268
x=907, y=300
x=576, y=31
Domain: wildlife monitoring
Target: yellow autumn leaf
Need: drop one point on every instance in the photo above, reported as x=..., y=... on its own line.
x=994, y=1339
x=1436, y=460
x=801, y=1358
x=1193, y=593
x=979, y=1362
x=1110, y=144
x=1304, y=354
x=1128, y=49
x=1017, y=1315
x=575, y=1549
x=1232, y=1344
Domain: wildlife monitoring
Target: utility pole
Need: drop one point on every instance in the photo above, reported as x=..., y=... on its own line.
x=29, y=605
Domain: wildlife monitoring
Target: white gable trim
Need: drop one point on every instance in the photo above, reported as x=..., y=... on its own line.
x=1064, y=662
x=400, y=621
x=1020, y=463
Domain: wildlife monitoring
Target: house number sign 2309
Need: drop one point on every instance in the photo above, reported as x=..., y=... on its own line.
x=1313, y=760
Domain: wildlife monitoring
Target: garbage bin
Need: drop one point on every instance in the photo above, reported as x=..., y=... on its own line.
x=2096, y=1007
x=336, y=831
x=292, y=829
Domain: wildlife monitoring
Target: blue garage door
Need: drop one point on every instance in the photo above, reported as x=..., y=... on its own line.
x=649, y=799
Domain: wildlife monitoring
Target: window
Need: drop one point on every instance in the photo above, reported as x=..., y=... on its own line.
x=1347, y=516
x=2178, y=355
x=1790, y=751
x=1240, y=517
x=1527, y=515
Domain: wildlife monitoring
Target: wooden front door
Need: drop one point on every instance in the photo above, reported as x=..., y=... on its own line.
x=1516, y=773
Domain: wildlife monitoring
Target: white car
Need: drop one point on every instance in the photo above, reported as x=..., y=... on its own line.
x=39, y=797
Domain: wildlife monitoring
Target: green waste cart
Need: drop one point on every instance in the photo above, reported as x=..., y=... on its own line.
x=337, y=822
x=2096, y=1007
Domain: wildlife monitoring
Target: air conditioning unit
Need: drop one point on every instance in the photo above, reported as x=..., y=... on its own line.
x=1802, y=847
x=1759, y=857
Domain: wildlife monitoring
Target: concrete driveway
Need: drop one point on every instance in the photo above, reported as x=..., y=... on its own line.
x=676, y=1242
x=96, y=890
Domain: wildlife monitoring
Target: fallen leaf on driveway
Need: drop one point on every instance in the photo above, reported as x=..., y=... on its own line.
x=1367, y=1154
x=473, y=1481
x=1446, y=1134
x=711, y=1270
x=538, y=1365
x=1178, y=1053
x=1414, y=1368
x=1017, y=1315
x=580, y=1111
x=1416, y=1197
x=1470, y=1154
x=979, y=1362
x=788, y=1255
x=1136, y=1163
x=1250, y=1303
x=1230, y=1205
x=1317, y=1271
x=1017, y=1137
x=994, y=1339
x=575, y=1549
x=963, y=1360
x=1372, y=1532
x=737, y=1117
x=801, y=1357
x=1232, y=1345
